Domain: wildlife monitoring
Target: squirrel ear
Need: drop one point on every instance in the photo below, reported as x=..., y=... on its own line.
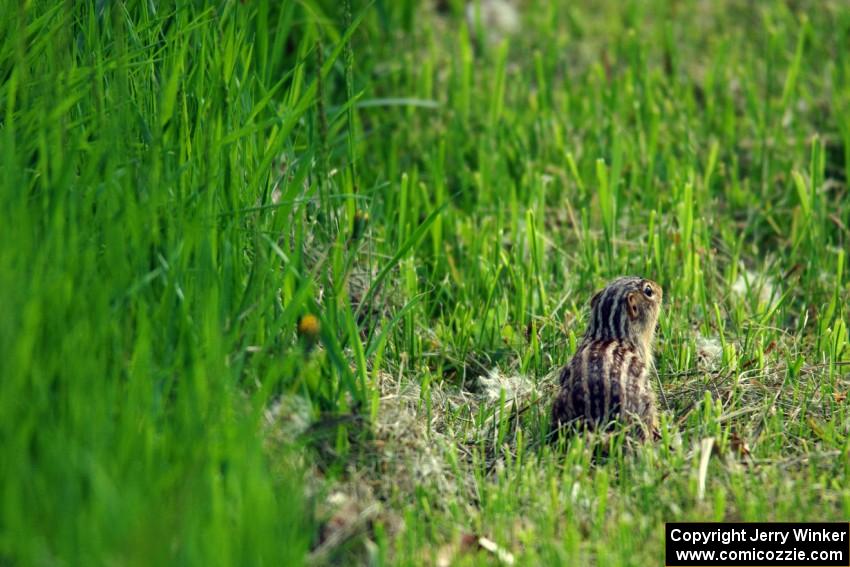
x=595, y=299
x=632, y=302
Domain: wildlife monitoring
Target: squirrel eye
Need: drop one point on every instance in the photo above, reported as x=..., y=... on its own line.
x=647, y=290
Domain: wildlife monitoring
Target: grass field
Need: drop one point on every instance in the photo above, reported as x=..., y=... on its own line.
x=286, y=282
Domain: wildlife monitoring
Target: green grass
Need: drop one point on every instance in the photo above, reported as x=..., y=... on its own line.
x=181, y=184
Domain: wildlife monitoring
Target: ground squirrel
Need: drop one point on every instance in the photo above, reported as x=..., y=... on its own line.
x=607, y=378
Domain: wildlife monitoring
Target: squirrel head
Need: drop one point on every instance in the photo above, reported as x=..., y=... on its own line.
x=626, y=309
